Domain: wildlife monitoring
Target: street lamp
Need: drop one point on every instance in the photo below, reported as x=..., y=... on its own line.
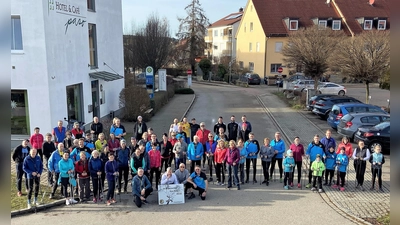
x=388, y=108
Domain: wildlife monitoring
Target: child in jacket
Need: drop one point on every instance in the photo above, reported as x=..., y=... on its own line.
x=330, y=162
x=377, y=160
x=317, y=168
x=288, y=165
x=342, y=161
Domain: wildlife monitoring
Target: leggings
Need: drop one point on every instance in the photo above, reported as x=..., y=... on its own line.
x=254, y=162
x=211, y=164
x=194, y=163
x=319, y=178
x=64, y=186
x=220, y=168
x=125, y=171
x=165, y=162
x=360, y=166
x=288, y=178
x=157, y=172
x=241, y=172
x=279, y=165
x=377, y=172
x=341, y=176
x=298, y=164
x=330, y=173
x=96, y=182
x=265, y=166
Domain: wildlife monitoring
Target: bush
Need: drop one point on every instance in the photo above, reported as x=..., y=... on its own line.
x=135, y=101
x=184, y=91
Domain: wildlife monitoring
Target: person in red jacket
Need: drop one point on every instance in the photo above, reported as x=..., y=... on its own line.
x=219, y=157
x=202, y=133
x=298, y=153
x=77, y=132
x=232, y=158
x=155, y=163
x=36, y=141
x=113, y=143
x=348, y=149
x=82, y=170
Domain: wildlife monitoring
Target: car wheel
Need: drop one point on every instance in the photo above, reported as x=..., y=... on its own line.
x=341, y=93
x=372, y=146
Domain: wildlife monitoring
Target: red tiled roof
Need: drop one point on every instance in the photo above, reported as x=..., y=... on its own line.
x=354, y=9
x=233, y=18
x=272, y=12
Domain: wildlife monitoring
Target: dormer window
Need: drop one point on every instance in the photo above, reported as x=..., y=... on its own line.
x=336, y=24
x=381, y=24
x=322, y=24
x=293, y=25
x=368, y=25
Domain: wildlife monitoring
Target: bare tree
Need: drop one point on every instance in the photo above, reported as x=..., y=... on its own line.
x=312, y=48
x=191, y=32
x=365, y=57
x=149, y=45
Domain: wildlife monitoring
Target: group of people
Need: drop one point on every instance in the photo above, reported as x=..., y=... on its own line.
x=75, y=159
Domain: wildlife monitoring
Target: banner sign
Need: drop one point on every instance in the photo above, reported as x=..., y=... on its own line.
x=162, y=80
x=171, y=194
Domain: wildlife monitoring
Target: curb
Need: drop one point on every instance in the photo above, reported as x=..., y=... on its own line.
x=189, y=107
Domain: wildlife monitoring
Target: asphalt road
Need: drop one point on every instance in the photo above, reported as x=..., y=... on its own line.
x=254, y=204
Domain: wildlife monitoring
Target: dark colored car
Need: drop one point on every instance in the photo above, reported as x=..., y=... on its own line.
x=324, y=105
x=140, y=78
x=340, y=110
x=314, y=99
x=350, y=123
x=254, y=79
x=376, y=135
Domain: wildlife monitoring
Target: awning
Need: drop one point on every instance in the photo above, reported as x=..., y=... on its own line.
x=104, y=75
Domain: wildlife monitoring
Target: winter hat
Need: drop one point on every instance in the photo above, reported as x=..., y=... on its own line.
x=288, y=152
x=318, y=156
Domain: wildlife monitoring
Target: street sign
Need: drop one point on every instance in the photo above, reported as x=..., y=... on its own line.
x=280, y=70
x=150, y=81
x=162, y=79
x=189, y=72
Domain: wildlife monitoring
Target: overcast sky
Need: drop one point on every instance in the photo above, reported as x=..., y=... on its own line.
x=136, y=12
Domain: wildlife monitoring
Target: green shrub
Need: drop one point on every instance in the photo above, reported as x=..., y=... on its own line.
x=184, y=91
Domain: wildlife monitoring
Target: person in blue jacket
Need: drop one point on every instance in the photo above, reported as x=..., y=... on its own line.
x=243, y=156
x=52, y=164
x=328, y=141
x=253, y=148
x=75, y=154
x=342, y=160
x=330, y=163
x=96, y=168
x=123, y=165
x=67, y=168
x=195, y=152
x=279, y=146
x=288, y=164
x=141, y=188
x=266, y=154
x=33, y=168
x=313, y=149
x=111, y=170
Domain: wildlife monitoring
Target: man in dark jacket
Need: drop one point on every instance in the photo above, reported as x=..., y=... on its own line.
x=233, y=129
x=33, y=167
x=219, y=124
x=141, y=188
x=194, y=127
x=48, y=148
x=123, y=162
x=19, y=154
x=96, y=128
x=139, y=128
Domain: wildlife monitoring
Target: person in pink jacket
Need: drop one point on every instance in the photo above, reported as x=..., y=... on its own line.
x=36, y=141
x=298, y=153
x=155, y=163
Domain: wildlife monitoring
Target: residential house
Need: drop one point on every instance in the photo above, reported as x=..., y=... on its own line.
x=265, y=26
x=66, y=61
x=220, y=37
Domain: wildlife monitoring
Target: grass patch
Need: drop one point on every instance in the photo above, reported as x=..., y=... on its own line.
x=384, y=220
x=18, y=203
x=294, y=104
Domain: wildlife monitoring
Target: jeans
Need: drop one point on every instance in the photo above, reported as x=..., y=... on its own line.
x=241, y=171
x=21, y=173
x=235, y=175
x=97, y=188
x=194, y=163
x=319, y=178
x=211, y=164
x=111, y=189
x=84, y=188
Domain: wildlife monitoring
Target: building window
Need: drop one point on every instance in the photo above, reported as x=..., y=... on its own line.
x=251, y=8
x=278, y=46
x=293, y=25
x=241, y=65
x=250, y=47
x=251, y=66
x=16, y=33
x=274, y=67
x=258, y=46
x=251, y=27
x=336, y=24
x=230, y=32
x=92, y=45
x=322, y=24
x=90, y=5
x=368, y=25
x=381, y=24
x=19, y=112
x=75, y=102
x=215, y=47
x=215, y=33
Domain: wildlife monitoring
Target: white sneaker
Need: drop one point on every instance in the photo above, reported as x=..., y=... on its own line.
x=73, y=201
x=67, y=202
x=320, y=190
x=222, y=184
x=313, y=189
x=219, y=183
x=29, y=205
x=36, y=203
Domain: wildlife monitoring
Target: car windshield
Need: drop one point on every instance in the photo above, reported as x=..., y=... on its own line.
x=382, y=126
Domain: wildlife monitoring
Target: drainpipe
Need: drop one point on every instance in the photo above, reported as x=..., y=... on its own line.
x=343, y=18
x=265, y=56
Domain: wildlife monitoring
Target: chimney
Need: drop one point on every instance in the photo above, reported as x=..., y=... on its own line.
x=241, y=9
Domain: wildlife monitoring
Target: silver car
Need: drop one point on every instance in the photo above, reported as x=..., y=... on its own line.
x=302, y=85
x=349, y=124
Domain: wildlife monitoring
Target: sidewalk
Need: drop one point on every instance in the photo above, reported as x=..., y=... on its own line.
x=367, y=204
x=177, y=107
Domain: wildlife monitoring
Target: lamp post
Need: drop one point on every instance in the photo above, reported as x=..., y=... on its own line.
x=388, y=107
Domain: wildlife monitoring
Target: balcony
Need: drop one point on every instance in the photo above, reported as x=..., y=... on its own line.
x=227, y=52
x=208, y=39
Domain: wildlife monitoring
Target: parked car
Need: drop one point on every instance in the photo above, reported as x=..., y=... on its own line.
x=140, y=78
x=332, y=88
x=376, y=135
x=253, y=79
x=340, y=110
x=302, y=85
x=297, y=77
x=350, y=123
x=310, y=104
x=279, y=82
x=324, y=105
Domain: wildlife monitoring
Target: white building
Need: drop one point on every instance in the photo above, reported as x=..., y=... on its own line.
x=66, y=61
x=220, y=37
